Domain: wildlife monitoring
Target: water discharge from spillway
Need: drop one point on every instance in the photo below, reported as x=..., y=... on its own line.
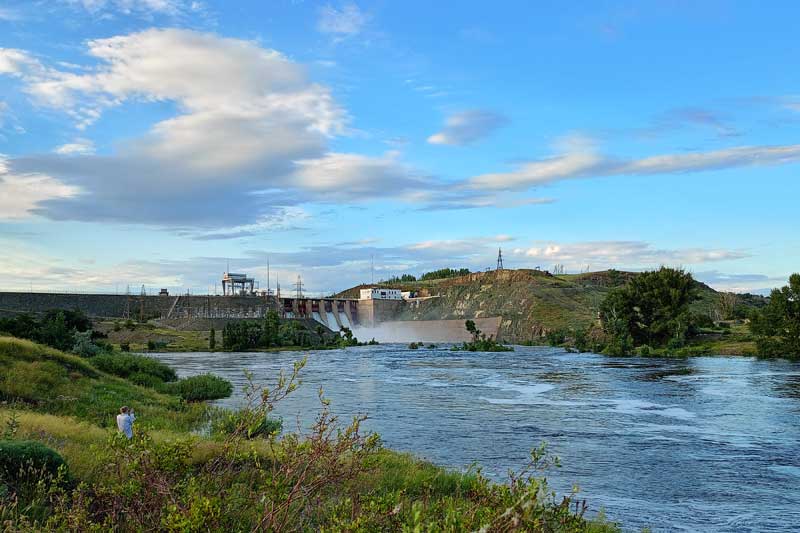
x=332, y=321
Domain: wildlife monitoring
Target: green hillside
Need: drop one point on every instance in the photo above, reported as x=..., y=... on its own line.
x=530, y=302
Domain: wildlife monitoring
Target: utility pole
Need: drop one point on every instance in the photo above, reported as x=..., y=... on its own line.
x=142, y=296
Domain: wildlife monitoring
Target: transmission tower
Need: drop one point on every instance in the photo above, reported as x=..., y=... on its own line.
x=142, y=296
x=127, y=313
x=299, y=287
x=499, y=259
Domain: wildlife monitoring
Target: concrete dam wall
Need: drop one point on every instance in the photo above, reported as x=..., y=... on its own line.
x=136, y=306
x=427, y=330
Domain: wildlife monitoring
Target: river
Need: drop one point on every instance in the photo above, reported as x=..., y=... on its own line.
x=699, y=444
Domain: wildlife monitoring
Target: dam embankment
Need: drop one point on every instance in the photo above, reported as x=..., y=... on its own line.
x=427, y=330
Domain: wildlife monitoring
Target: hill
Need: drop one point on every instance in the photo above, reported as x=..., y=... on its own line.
x=529, y=302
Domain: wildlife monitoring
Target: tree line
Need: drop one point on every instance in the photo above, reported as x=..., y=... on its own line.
x=653, y=311
x=442, y=273
x=272, y=332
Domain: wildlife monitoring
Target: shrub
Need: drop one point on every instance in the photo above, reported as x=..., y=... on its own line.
x=84, y=346
x=124, y=365
x=556, y=337
x=413, y=346
x=145, y=380
x=156, y=345
x=20, y=459
x=247, y=423
x=125, y=347
x=200, y=388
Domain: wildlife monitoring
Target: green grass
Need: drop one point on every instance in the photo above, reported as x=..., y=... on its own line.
x=49, y=381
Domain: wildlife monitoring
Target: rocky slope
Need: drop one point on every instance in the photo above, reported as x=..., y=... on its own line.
x=529, y=302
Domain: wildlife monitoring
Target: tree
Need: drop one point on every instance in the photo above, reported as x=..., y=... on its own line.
x=272, y=324
x=212, y=340
x=473, y=329
x=652, y=309
x=726, y=305
x=777, y=325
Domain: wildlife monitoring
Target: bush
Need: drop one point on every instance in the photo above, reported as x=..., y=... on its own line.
x=125, y=347
x=145, y=380
x=247, y=423
x=125, y=365
x=200, y=388
x=556, y=337
x=156, y=345
x=21, y=459
x=84, y=346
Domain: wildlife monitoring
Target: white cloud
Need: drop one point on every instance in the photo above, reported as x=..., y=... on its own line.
x=619, y=254
x=21, y=194
x=580, y=159
x=17, y=63
x=79, y=146
x=352, y=176
x=346, y=21
x=740, y=283
x=251, y=131
x=467, y=127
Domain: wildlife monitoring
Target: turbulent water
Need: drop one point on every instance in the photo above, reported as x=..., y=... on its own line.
x=702, y=444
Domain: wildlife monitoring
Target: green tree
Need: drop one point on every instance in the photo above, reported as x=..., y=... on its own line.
x=777, y=325
x=272, y=324
x=212, y=340
x=473, y=329
x=652, y=309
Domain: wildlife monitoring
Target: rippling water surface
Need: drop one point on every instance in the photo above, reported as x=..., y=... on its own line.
x=702, y=444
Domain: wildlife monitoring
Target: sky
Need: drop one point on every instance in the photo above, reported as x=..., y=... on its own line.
x=162, y=142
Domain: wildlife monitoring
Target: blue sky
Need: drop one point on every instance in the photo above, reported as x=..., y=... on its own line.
x=152, y=141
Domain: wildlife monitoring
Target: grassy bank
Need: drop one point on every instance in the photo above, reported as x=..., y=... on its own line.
x=176, y=476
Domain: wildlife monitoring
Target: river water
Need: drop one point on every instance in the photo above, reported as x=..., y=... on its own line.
x=700, y=444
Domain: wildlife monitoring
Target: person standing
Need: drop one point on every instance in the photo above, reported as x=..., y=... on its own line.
x=125, y=420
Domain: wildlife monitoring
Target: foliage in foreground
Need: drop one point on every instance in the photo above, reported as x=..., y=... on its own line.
x=777, y=325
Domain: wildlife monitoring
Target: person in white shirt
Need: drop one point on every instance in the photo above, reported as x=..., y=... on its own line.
x=125, y=420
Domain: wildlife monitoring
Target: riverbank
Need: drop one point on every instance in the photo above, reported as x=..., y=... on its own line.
x=175, y=475
x=626, y=428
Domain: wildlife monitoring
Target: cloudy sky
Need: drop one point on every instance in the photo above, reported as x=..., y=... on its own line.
x=155, y=141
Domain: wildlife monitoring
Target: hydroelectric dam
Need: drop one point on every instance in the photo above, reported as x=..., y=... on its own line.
x=367, y=317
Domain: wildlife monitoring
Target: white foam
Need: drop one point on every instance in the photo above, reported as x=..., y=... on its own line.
x=637, y=407
x=527, y=394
